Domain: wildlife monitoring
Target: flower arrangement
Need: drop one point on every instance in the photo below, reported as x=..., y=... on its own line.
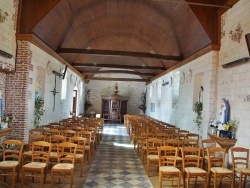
x=232, y=125
x=8, y=119
x=214, y=123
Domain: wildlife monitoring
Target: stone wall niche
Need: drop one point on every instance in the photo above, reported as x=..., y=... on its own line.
x=198, y=83
x=176, y=89
x=40, y=83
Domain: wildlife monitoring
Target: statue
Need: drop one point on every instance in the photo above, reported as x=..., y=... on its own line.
x=88, y=96
x=223, y=113
x=143, y=99
x=200, y=97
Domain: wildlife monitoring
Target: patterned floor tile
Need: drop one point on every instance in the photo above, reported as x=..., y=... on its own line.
x=116, y=163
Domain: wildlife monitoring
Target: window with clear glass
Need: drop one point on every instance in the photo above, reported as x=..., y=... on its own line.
x=159, y=88
x=64, y=87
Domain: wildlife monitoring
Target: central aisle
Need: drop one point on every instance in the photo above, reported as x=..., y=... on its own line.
x=116, y=163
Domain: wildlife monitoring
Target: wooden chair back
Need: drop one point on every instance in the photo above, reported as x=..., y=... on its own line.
x=35, y=137
x=240, y=157
x=190, y=157
x=67, y=152
x=216, y=157
x=167, y=155
x=41, y=151
x=12, y=150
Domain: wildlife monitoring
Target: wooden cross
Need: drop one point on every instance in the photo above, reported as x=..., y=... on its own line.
x=54, y=92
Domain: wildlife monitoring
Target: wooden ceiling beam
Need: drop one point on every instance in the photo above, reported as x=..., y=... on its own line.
x=199, y=3
x=118, y=53
x=118, y=79
x=91, y=65
x=118, y=72
x=207, y=14
x=36, y=10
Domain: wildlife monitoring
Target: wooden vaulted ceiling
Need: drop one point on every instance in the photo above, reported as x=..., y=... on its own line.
x=110, y=39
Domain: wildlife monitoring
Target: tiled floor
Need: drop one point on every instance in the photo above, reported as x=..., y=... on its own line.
x=116, y=163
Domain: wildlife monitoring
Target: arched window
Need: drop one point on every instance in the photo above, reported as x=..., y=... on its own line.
x=64, y=87
x=159, y=88
x=150, y=92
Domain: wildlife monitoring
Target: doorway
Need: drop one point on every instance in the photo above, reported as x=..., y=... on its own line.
x=74, y=102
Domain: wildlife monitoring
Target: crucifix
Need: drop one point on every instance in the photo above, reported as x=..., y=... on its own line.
x=54, y=92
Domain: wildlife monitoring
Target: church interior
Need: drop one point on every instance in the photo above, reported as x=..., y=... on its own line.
x=122, y=93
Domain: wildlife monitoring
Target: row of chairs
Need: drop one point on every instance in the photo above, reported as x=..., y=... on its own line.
x=18, y=156
x=193, y=174
x=42, y=151
x=143, y=130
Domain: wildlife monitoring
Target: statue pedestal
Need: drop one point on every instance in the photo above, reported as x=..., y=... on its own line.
x=223, y=141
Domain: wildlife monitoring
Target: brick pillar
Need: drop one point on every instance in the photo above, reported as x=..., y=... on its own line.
x=17, y=91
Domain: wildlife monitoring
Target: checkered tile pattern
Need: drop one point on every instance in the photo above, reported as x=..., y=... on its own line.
x=116, y=163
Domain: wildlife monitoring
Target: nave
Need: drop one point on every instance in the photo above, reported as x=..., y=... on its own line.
x=116, y=163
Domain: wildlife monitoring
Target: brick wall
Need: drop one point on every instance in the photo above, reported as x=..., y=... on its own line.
x=17, y=91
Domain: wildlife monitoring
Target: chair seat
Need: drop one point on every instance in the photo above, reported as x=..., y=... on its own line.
x=178, y=158
x=192, y=156
x=63, y=166
x=194, y=170
x=220, y=170
x=8, y=163
x=27, y=153
x=169, y=169
x=87, y=147
x=156, y=157
x=78, y=156
x=243, y=170
x=35, y=165
x=206, y=157
x=53, y=154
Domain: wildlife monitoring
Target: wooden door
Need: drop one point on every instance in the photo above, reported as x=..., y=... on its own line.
x=74, y=102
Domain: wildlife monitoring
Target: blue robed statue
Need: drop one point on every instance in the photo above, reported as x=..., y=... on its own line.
x=223, y=113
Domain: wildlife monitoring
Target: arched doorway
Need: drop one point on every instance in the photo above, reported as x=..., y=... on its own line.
x=74, y=106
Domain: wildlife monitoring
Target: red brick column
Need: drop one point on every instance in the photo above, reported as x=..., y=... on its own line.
x=17, y=91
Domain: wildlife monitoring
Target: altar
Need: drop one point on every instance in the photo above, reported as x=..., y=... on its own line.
x=114, y=107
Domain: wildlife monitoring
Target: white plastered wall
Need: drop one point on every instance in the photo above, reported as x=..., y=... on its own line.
x=7, y=32
x=63, y=107
x=133, y=90
x=182, y=114
x=234, y=82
